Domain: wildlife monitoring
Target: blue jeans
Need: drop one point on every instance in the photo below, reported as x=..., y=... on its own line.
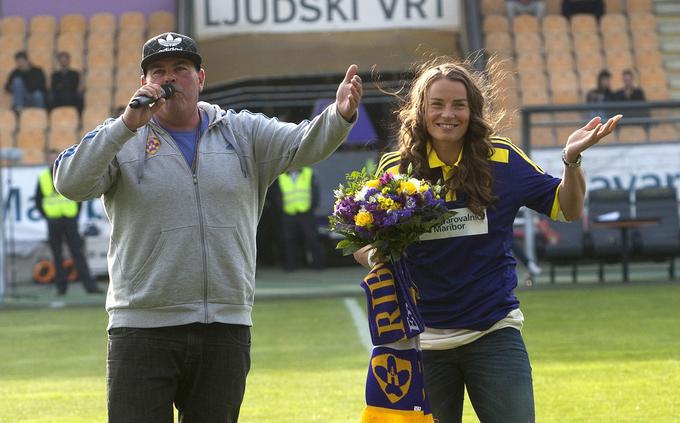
x=495, y=370
x=200, y=368
x=21, y=97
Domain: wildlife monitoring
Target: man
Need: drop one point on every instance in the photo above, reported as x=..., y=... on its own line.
x=65, y=83
x=183, y=184
x=299, y=197
x=26, y=83
x=61, y=215
x=630, y=92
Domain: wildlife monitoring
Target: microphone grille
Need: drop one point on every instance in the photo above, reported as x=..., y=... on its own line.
x=169, y=90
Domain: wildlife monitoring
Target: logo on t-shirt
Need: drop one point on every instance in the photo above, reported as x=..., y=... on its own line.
x=464, y=223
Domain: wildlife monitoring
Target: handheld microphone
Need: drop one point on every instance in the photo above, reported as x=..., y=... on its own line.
x=142, y=100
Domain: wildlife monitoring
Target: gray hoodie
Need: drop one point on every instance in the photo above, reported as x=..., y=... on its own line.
x=182, y=244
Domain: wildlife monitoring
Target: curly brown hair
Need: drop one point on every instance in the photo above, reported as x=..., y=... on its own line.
x=473, y=175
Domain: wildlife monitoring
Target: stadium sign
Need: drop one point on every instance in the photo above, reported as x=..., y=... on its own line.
x=214, y=18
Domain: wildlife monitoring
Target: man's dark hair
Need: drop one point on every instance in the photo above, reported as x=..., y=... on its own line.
x=21, y=55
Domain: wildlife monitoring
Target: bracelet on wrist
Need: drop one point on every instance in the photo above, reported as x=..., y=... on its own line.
x=567, y=163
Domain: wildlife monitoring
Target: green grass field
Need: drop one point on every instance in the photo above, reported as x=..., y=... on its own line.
x=599, y=354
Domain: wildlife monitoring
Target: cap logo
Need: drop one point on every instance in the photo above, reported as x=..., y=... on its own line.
x=169, y=41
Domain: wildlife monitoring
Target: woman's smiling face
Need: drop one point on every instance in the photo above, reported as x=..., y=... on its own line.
x=447, y=112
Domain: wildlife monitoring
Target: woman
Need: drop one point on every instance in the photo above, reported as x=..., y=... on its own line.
x=466, y=273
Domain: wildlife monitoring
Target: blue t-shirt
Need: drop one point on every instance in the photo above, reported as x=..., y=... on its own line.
x=187, y=140
x=465, y=271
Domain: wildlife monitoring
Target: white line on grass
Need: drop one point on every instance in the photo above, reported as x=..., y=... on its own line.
x=360, y=322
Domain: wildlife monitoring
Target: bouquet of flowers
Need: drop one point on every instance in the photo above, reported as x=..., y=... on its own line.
x=389, y=212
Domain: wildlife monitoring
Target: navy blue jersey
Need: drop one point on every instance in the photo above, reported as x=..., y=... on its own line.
x=464, y=270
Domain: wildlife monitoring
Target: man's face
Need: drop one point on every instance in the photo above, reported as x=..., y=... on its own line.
x=182, y=74
x=22, y=63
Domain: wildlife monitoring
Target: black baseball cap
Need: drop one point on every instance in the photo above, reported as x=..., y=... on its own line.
x=170, y=44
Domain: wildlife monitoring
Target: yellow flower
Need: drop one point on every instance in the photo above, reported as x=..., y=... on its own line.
x=407, y=187
x=387, y=203
x=373, y=183
x=424, y=187
x=385, y=190
x=363, y=218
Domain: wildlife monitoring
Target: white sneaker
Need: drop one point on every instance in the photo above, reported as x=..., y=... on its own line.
x=534, y=269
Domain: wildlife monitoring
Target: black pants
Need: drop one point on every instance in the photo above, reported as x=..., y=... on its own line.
x=299, y=236
x=200, y=368
x=67, y=229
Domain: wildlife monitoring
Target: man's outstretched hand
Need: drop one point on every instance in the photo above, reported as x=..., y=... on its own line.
x=349, y=94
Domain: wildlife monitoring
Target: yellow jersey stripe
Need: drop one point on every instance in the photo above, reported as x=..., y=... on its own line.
x=387, y=161
x=508, y=143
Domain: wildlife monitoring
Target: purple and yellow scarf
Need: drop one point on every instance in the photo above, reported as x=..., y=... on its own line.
x=395, y=392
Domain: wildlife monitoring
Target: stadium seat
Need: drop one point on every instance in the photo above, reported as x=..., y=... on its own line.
x=581, y=23
x=130, y=42
x=8, y=120
x=559, y=61
x=62, y=138
x=660, y=241
x=557, y=42
x=495, y=23
x=589, y=59
x=131, y=21
x=637, y=6
x=498, y=41
x=528, y=41
x=607, y=242
x=525, y=23
x=64, y=117
x=614, y=23
x=160, y=22
x=614, y=6
x=95, y=115
x=32, y=143
x=39, y=42
x=43, y=24
x=587, y=41
x=490, y=7
x=647, y=40
x=529, y=61
x=554, y=23
x=612, y=41
x=98, y=97
x=653, y=77
x=648, y=58
x=535, y=97
x=553, y=7
x=99, y=59
x=616, y=61
x=13, y=25
x=99, y=77
x=73, y=23
x=102, y=22
x=542, y=136
x=33, y=118
x=632, y=134
x=642, y=22
x=663, y=132
x=71, y=42
x=101, y=40
x=9, y=45
x=562, y=244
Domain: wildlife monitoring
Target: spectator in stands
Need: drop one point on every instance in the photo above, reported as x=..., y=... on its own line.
x=630, y=92
x=466, y=277
x=530, y=7
x=298, y=200
x=26, y=83
x=61, y=215
x=65, y=84
x=183, y=184
x=574, y=7
x=602, y=93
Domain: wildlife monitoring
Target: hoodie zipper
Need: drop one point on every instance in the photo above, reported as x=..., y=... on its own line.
x=194, y=177
x=201, y=224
